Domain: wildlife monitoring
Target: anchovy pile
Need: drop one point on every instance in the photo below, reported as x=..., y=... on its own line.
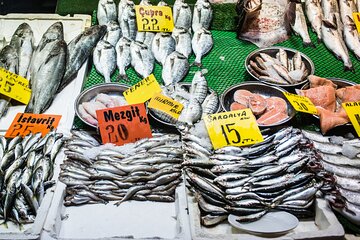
x=149, y=169
x=26, y=170
x=248, y=182
x=123, y=46
x=341, y=158
x=197, y=101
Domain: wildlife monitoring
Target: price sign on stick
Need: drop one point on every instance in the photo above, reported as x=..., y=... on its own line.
x=235, y=128
x=125, y=124
x=301, y=103
x=154, y=18
x=353, y=111
x=142, y=91
x=14, y=86
x=25, y=123
x=166, y=104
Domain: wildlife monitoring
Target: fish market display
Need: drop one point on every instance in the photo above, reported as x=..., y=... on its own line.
x=197, y=101
x=340, y=157
x=268, y=110
x=87, y=110
x=250, y=181
x=327, y=99
x=27, y=167
x=280, y=68
x=149, y=169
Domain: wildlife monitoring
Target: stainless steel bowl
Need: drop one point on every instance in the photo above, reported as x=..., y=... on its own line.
x=264, y=90
x=272, y=52
x=112, y=89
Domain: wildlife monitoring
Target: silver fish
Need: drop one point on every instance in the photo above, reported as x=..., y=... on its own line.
x=182, y=38
x=106, y=12
x=299, y=25
x=47, y=79
x=9, y=59
x=182, y=15
x=123, y=56
x=128, y=21
x=331, y=8
x=104, y=58
x=202, y=42
x=210, y=104
x=347, y=7
x=175, y=68
x=351, y=36
x=192, y=113
x=142, y=59
x=121, y=7
x=314, y=14
x=113, y=32
x=199, y=87
x=202, y=15
x=162, y=46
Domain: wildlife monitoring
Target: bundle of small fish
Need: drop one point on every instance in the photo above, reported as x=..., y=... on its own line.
x=148, y=169
x=197, y=101
x=26, y=170
x=123, y=46
x=340, y=157
x=250, y=181
x=50, y=66
x=279, y=70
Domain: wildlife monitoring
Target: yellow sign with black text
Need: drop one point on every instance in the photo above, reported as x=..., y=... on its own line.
x=142, y=91
x=353, y=111
x=14, y=86
x=301, y=103
x=154, y=18
x=356, y=17
x=166, y=104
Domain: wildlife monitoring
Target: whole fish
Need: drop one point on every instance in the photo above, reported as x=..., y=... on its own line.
x=104, y=58
x=23, y=42
x=142, y=59
x=347, y=7
x=9, y=59
x=121, y=7
x=330, y=9
x=106, y=12
x=182, y=15
x=175, y=68
x=162, y=45
x=351, y=36
x=199, y=87
x=314, y=14
x=182, y=38
x=79, y=49
x=192, y=113
x=113, y=32
x=210, y=104
x=47, y=79
x=202, y=15
x=202, y=42
x=123, y=56
x=299, y=24
x=128, y=21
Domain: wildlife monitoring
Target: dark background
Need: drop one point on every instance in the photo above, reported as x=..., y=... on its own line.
x=23, y=6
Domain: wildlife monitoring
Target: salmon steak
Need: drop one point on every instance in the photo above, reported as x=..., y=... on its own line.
x=322, y=96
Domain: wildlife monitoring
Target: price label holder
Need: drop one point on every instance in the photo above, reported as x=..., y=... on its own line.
x=25, y=123
x=125, y=124
x=356, y=17
x=166, y=104
x=142, y=91
x=154, y=18
x=301, y=103
x=353, y=111
x=14, y=86
x=235, y=128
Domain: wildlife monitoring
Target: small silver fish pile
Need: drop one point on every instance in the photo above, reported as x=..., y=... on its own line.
x=250, y=181
x=279, y=70
x=197, y=101
x=340, y=158
x=26, y=170
x=148, y=169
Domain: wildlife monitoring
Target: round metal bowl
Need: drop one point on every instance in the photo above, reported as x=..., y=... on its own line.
x=112, y=89
x=187, y=86
x=272, y=52
x=264, y=90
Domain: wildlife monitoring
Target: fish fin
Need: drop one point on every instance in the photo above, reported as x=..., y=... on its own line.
x=330, y=24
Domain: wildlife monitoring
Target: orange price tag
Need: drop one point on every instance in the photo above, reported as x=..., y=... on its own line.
x=125, y=124
x=25, y=123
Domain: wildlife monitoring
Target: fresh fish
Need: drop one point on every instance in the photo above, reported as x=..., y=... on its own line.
x=331, y=13
x=347, y=7
x=121, y=7
x=104, y=58
x=175, y=68
x=128, y=21
x=182, y=38
x=9, y=59
x=106, y=12
x=47, y=79
x=210, y=104
x=113, y=32
x=142, y=59
x=199, y=87
x=351, y=36
x=192, y=113
x=162, y=46
x=123, y=56
x=23, y=42
x=202, y=15
x=314, y=14
x=182, y=14
x=202, y=42
x=299, y=24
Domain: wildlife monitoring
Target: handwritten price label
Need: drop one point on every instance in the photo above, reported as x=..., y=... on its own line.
x=356, y=17
x=142, y=91
x=235, y=128
x=353, y=111
x=125, y=124
x=301, y=103
x=154, y=18
x=166, y=104
x=14, y=86
x=25, y=123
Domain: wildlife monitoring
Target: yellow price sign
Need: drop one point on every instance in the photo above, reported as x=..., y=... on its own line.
x=353, y=111
x=301, y=103
x=356, y=17
x=166, y=104
x=14, y=86
x=235, y=128
x=154, y=18
x=142, y=91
